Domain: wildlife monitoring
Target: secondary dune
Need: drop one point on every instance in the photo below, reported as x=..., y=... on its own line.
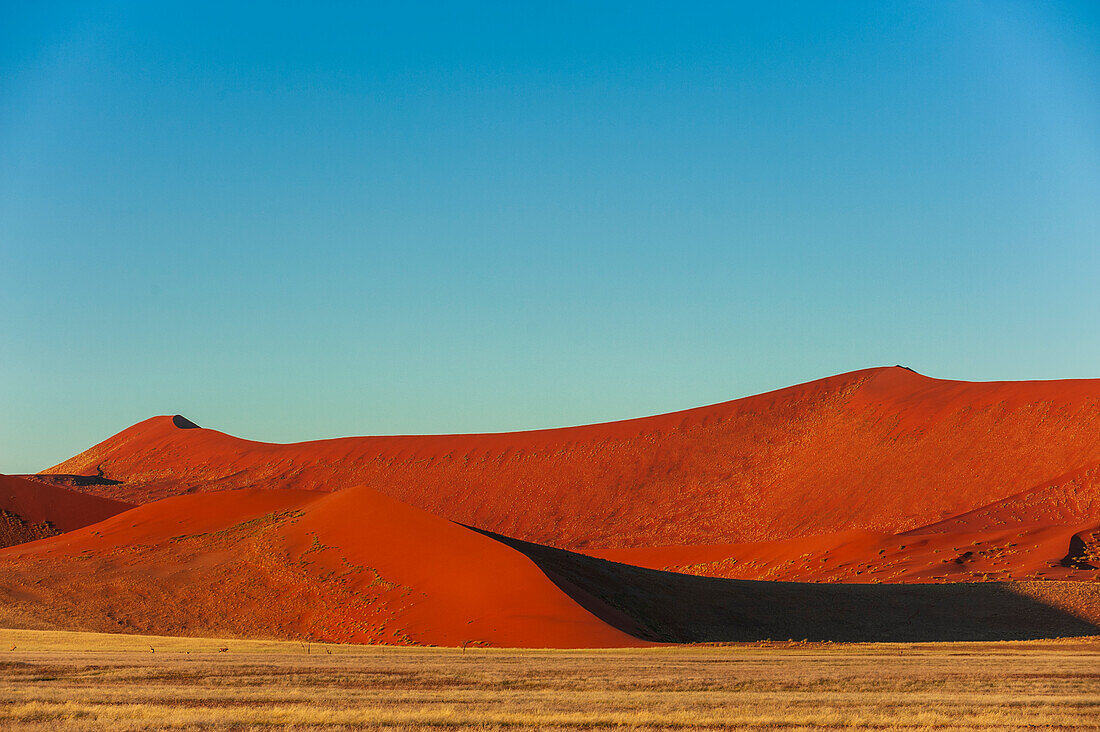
x=32, y=510
x=1034, y=552
x=1073, y=498
x=883, y=450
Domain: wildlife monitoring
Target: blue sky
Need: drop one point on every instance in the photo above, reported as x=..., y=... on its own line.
x=290, y=222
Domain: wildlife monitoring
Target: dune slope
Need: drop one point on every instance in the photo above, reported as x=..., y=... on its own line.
x=884, y=450
x=352, y=566
x=1035, y=552
x=1068, y=499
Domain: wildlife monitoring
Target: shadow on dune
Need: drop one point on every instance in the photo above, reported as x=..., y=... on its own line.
x=679, y=608
x=183, y=423
x=70, y=481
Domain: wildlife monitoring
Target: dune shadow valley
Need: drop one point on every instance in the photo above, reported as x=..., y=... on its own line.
x=873, y=506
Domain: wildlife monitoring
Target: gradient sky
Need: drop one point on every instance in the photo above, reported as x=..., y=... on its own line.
x=289, y=223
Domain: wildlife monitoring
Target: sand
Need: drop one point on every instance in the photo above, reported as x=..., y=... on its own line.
x=879, y=505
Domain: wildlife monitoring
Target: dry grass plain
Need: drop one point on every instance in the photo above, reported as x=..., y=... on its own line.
x=53, y=680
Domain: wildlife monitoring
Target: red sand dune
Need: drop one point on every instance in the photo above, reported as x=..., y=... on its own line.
x=359, y=566
x=353, y=566
x=1035, y=534
x=880, y=505
x=1067, y=499
x=1036, y=552
x=884, y=450
x=31, y=510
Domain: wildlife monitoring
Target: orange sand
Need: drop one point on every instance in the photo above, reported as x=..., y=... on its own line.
x=354, y=566
x=884, y=450
x=881, y=476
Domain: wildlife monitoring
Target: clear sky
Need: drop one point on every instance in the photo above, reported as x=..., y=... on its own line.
x=287, y=221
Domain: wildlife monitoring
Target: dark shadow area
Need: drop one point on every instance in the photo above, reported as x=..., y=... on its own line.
x=679, y=608
x=1079, y=554
x=184, y=423
x=71, y=481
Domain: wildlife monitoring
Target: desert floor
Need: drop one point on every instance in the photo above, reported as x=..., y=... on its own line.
x=86, y=681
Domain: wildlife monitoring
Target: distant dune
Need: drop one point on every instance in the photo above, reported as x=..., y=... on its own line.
x=884, y=450
x=32, y=510
x=1067, y=552
x=876, y=505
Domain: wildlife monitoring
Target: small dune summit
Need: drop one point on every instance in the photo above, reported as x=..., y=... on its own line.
x=874, y=505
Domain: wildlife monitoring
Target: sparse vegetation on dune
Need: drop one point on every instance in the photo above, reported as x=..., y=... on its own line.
x=87, y=681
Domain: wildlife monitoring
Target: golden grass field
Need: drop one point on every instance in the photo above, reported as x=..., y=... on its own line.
x=53, y=680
